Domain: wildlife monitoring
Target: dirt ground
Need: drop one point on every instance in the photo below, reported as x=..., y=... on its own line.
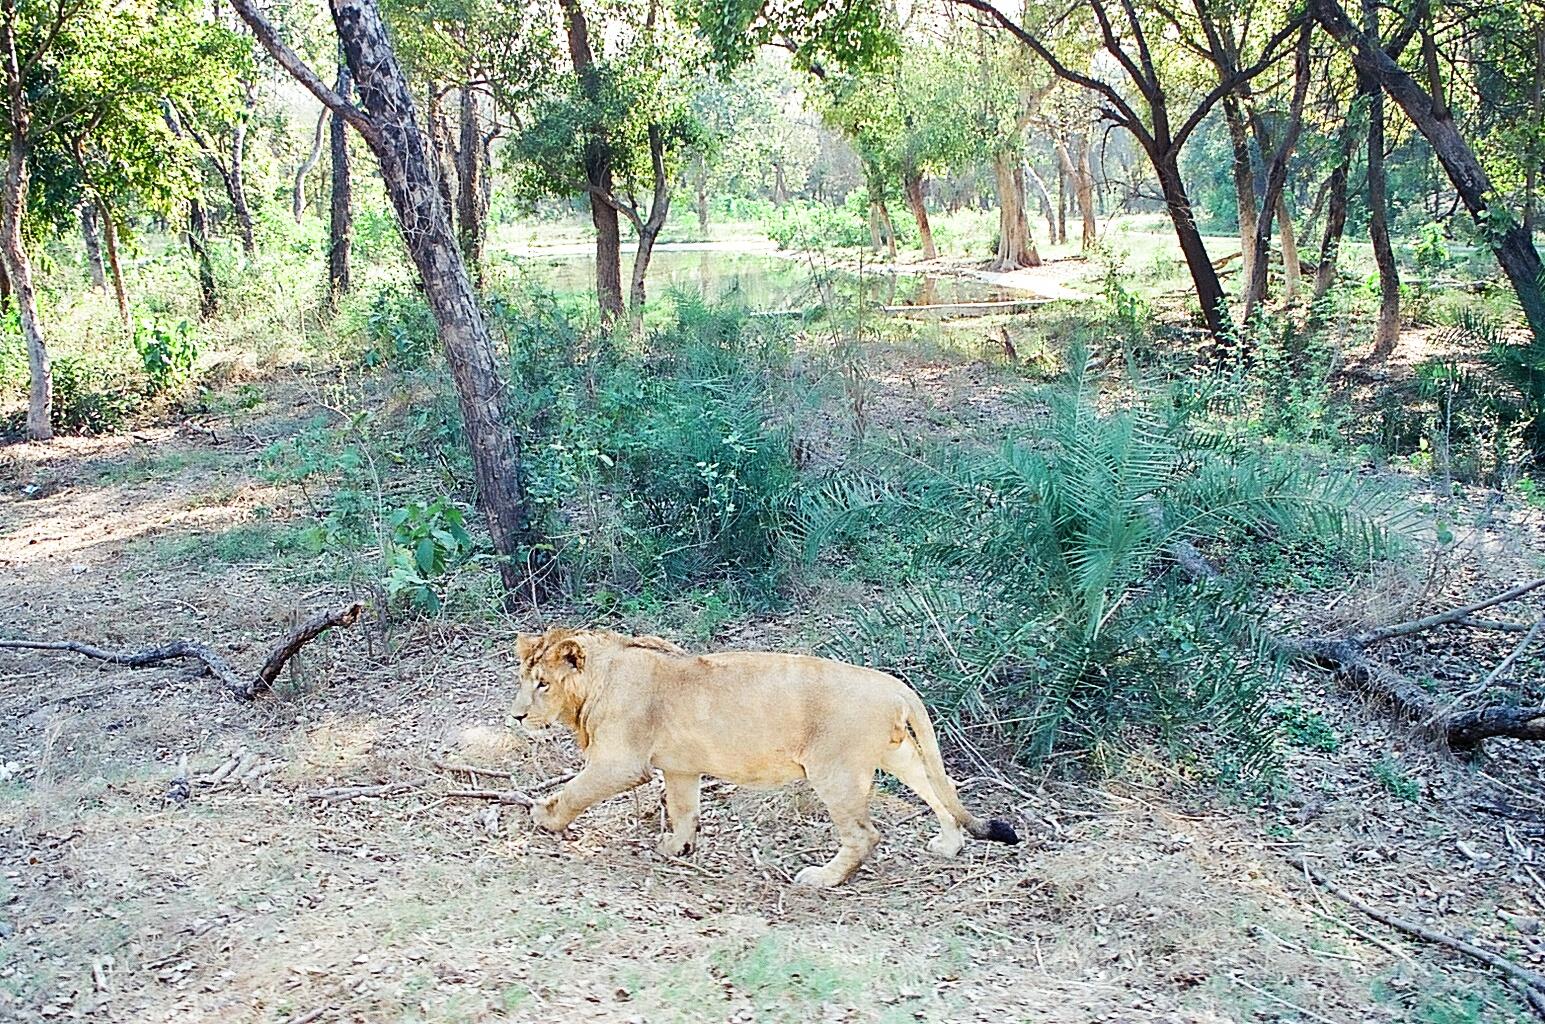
x=1139, y=898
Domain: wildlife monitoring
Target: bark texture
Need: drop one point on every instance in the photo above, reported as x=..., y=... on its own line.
x=340, y=228
x=1016, y=249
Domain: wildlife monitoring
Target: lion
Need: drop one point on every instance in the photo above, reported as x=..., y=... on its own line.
x=752, y=718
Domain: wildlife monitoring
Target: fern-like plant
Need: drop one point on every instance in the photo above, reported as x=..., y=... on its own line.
x=1052, y=612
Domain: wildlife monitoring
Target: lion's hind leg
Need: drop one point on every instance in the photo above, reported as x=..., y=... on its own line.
x=906, y=764
x=845, y=792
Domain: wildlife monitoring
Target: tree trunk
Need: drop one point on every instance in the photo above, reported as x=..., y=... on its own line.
x=912, y=185
x=1335, y=219
x=700, y=179
x=1276, y=176
x=1537, y=110
x=1292, y=271
x=110, y=236
x=93, y=240
x=1016, y=249
x=598, y=172
x=1209, y=293
x=340, y=232
x=780, y=187
x=471, y=213
x=1086, y=195
x=1244, y=182
x=391, y=126
x=1044, y=197
x=1513, y=247
x=887, y=226
x=443, y=150
x=13, y=206
x=649, y=229
x=1061, y=235
x=236, y=181
x=298, y=199
x=1386, y=329
x=198, y=244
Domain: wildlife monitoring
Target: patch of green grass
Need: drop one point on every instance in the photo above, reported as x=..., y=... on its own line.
x=779, y=976
x=1395, y=779
x=249, y=542
x=159, y=466
x=1307, y=729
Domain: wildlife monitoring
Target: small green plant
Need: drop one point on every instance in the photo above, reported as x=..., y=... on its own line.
x=399, y=329
x=168, y=352
x=1431, y=252
x=90, y=398
x=1395, y=779
x=425, y=543
x=1307, y=729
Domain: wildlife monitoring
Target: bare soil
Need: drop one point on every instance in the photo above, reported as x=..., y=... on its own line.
x=1144, y=897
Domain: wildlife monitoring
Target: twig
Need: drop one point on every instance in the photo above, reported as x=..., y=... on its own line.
x=1474, y=952
x=503, y=796
x=338, y=794
x=1453, y=615
x=470, y=769
x=1492, y=676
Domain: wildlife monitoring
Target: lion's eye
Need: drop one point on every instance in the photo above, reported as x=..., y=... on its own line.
x=541, y=687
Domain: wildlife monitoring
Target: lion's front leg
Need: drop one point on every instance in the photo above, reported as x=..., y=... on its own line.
x=593, y=784
x=682, y=791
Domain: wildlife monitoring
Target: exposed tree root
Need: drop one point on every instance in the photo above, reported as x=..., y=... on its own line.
x=243, y=688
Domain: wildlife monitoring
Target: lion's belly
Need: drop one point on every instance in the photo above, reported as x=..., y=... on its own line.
x=743, y=767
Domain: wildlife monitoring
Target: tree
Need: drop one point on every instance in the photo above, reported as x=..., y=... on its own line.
x=340, y=223
x=617, y=133
x=1503, y=232
x=389, y=124
x=83, y=82
x=1155, y=120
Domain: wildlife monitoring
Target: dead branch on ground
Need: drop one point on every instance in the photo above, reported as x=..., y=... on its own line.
x=1527, y=980
x=213, y=664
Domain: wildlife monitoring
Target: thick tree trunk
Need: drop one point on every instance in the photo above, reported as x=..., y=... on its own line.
x=93, y=241
x=598, y=173
x=1292, y=271
x=1513, y=247
x=340, y=233
x=391, y=126
x=780, y=193
x=1086, y=195
x=887, y=227
x=298, y=198
x=1276, y=176
x=1244, y=182
x=1537, y=109
x=1209, y=293
x=110, y=236
x=198, y=245
x=912, y=186
x=1016, y=249
x=13, y=206
x=471, y=211
x=443, y=149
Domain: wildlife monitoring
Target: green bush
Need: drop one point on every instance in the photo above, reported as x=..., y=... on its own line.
x=399, y=329
x=426, y=542
x=663, y=463
x=167, y=352
x=1052, y=616
x=91, y=398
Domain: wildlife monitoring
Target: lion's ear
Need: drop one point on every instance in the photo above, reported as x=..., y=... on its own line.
x=568, y=654
x=525, y=646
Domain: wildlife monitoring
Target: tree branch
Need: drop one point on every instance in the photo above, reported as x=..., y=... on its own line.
x=291, y=62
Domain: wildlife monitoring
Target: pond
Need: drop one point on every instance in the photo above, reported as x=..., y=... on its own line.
x=762, y=278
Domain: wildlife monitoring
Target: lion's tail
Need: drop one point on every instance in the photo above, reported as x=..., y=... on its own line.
x=995, y=829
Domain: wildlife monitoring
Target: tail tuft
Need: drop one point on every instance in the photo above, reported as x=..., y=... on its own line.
x=997, y=830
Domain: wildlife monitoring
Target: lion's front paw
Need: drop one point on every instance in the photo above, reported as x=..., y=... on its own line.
x=545, y=815
x=814, y=877
x=672, y=845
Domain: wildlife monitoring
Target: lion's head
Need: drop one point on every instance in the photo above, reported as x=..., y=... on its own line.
x=550, y=665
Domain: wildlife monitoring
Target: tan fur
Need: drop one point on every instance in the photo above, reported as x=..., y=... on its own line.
x=641, y=704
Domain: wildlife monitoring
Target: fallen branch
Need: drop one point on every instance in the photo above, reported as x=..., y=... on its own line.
x=502, y=796
x=213, y=664
x=1374, y=636
x=1522, y=975
x=339, y=794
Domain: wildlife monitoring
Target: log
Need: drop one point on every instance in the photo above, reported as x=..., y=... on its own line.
x=213, y=664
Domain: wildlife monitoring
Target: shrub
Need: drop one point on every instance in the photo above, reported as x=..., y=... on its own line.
x=399, y=329
x=1051, y=616
x=425, y=544
x=90, y=398
x=167, y=352
x=664, y=463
